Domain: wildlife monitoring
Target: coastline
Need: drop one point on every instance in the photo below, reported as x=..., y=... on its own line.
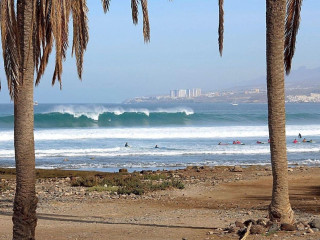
x=212, y=199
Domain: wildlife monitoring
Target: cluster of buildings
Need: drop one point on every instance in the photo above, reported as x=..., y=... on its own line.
x=313, y=97
x=185, y=93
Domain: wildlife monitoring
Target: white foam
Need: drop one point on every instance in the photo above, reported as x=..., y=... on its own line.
x=310, y=162
x=94, y=111
x=232, y=132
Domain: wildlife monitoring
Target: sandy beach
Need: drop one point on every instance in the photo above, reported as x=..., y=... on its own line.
x=211, y=202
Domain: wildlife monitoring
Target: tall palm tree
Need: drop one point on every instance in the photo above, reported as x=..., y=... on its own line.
x=282, y=21
x=280, y=208
x=29, y=30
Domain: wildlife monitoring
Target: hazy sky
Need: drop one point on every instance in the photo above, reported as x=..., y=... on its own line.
x=183, y=52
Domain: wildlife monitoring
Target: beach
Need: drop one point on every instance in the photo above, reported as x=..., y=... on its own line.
x=212, y=200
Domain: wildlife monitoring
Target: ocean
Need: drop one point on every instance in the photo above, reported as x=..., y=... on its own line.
x=93, y=136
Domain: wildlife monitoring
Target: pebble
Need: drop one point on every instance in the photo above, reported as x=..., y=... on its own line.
x=315, y=223
x=257, y=229
x=287, y=227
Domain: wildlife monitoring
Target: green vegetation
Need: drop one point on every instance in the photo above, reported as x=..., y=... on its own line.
x=4, y=186
x=127, y=184
x=122, y=183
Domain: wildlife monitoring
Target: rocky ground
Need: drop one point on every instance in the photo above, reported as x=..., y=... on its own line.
x=216, y=203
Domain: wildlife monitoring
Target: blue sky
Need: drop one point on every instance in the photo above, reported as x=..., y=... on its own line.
x=183, y=52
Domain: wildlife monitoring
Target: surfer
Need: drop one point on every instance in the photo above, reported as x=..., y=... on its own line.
x=304, y=140
x=299, y=135
x=295, y=141
x=156, y=146
x=126, y=145
x=259, y=142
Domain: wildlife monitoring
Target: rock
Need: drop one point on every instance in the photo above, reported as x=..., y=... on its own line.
x=269, y=224
x=257, y=229
x=239, y=224
x=236, y=169
x=288, y=227
x=300, y=226
x=262, y=222
x=268, y=169
x=273, y=228
x=210, y=233
x=290, y=170
x=229, y=229
x=315, y=223
x=242, y=231
x=309, y=230
x=123, y=170
x=246, y=223
x=315, y=229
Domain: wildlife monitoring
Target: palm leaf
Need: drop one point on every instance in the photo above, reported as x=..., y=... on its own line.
x=291, y=31
x=221, y=26
x=80, y=31
x=135, y=11
x=146, y=26
x=105, y=5
x=10, y=45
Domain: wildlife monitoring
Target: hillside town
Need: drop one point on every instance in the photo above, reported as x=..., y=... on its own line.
x=250, y=95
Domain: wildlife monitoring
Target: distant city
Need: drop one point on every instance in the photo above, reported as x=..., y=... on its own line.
x=250, y=95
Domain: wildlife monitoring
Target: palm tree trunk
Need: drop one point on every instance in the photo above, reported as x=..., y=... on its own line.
x=279, y=209
x=25, y=201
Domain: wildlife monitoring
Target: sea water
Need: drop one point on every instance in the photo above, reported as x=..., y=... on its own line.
x=93, y=136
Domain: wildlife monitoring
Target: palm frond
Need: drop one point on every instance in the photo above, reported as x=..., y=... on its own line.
x=221, y=26
x=146, y=26
x=45, y=37
x=80, y=31
x=10, y=43
x=135, y=11
x=105, y=5
x=291, y=31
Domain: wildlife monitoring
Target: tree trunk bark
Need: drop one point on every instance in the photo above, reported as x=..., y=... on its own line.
x=279, y=209
x=25, y=201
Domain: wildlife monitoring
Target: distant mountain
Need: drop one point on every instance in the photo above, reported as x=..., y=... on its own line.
x=301, y=77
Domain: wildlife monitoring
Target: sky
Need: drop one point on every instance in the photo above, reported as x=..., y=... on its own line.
x=183, y=52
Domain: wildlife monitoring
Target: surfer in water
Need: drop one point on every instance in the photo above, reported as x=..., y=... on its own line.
x=156, y=146
x=126, y=145
x=295, y=141
x=299, y=135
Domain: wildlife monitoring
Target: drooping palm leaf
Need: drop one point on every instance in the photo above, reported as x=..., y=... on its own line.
x=60, y=18
x=45, y=37
x=105, y=5
x=291, y=31
x=146, y=26
x=80, y=31
x=135, y=11
x=221, y=26
x=10, y=41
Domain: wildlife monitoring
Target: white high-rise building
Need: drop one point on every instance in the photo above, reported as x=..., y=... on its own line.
x=182, y=93
x=185, y=93
x=197, y=92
